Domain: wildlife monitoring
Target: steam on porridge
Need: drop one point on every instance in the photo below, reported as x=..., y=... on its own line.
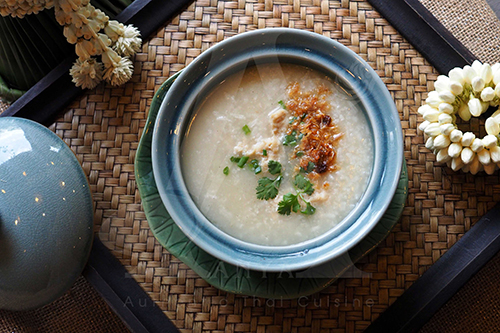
x=277, y=154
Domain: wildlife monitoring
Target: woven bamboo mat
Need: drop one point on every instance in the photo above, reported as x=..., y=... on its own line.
x=104, y=126
x=3, y=106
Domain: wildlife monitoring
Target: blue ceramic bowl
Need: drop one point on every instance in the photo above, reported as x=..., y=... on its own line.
x=277, y=45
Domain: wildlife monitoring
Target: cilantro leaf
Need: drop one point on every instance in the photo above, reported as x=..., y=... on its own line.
x=304, y=184
x=310, y=167
x=289, y=203
x=274, y=167
x=309, y=210
x=290, y=139
x=268, y=188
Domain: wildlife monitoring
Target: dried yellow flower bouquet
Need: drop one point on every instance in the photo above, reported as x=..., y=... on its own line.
x=94, y=36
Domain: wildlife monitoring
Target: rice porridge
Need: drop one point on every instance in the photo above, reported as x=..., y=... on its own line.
x=277, y=154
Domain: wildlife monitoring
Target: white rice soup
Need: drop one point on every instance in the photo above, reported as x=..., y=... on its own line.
x=249, y=101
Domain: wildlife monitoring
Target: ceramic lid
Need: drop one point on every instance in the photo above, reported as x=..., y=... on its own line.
x=46, y=215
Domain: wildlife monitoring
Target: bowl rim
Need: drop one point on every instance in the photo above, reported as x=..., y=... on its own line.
x=173, y=191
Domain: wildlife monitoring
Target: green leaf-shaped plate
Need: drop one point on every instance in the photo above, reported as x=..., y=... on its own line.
x=235, y=279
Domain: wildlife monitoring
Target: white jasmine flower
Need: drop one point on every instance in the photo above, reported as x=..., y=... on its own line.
x=429, y=143
x=456, y=87
x=477, y=83
x=490, y=141
x=446, y=129
x=475, y=107
x=456, y=135
x=487, y=94
x=469, y=74
x=476, y=66
x=432, y=130
x=486, y=73
x=433, y=99
x=496, y=115
x=87, y=73
x=431, y=115
x=490, y=168
x=475, y=165
x=447, y=97
x=442, y=83
x=492, y=126
x=424, y=108
x=467, y=155
x=495, y=154
x=114, y=30
x=456, y=164
x=441, y=141
x=484, y=156
x=477, y=145
x=442, y=156
x=84, y=49
x=445, y=118
x=497, y=90
x=496, y=76
x=457, y=75
x=464, y=112
x=118, y=70
x=446, y=108
x=467, y=139
x=129, y=43
x=423, y=125
x=69, y=32
x=454, y=149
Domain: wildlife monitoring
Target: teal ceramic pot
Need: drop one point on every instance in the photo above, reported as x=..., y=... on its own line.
x=291, y=46
x=46, y=215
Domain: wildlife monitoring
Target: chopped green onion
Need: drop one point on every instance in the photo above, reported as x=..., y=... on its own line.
x=255, y=166
x=235, y=159
x=282, y=104
x=226, y=171
x=246, y=129
x=243, y=160
x=264, y=152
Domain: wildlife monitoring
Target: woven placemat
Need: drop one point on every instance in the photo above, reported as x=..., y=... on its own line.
x=3, y=106
x=473, y=23
x=104, y=126
x=80, y=310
